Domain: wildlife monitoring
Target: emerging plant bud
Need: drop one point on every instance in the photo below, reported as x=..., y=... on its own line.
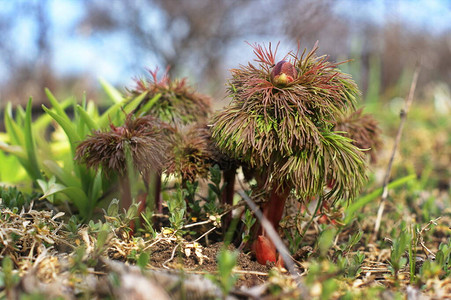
x=264, y=250
x=283, y=73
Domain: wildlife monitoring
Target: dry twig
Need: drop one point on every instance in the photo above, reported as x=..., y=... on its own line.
x=427, y=227
x=403, y=116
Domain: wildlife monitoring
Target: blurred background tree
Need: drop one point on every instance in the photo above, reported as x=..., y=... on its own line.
x=65, y=45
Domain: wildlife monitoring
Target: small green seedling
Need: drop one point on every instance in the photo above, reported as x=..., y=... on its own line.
x=351, y=266
x=8, y=278
x=226, y=279
x=398, y=260
x=248, y=221
x=177, y=209
x=326, y=241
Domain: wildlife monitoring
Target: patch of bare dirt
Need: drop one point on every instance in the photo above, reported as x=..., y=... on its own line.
x=251, y=272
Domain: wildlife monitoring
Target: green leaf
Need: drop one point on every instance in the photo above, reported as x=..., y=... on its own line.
x=12, y=170
x=50, y=188
x=56, y=106
x=75, y=194
x=62, y=175
x=40, y=124
x=113, y=208
x=143, y=260
x=86, y=118
x=96, y=189
x=133, y=104
x=68, y=127
x=111, y=91
x=13, y=149
x=226, y=262
x=20, y=115
x=16, y=138
x=132, y=211
x=14, y=131
x=112, y=114
x=325, y=240
x=102, y=237
x=30, y=145
x=146, y=107
x=109, y=115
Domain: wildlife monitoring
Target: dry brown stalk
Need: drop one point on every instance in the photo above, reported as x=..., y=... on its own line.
x=403, y=117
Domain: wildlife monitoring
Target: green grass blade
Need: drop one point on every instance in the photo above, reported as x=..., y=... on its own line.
x=11, y=170
x=146, y=107
x=20, y=115
x=20, y=154
x=373, y=195
x=44, y=120
x=109, y=115
x=78, y=197
x=72, y=135
x=116, y=113
x=96, y=190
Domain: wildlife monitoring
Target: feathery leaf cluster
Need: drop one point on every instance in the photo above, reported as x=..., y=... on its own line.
x=142, y=137
x=363, y=129
x=178, y=102
x=189, y=152
x=286, y=131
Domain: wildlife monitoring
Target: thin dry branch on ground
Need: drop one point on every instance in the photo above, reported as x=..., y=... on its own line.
x=403, y=116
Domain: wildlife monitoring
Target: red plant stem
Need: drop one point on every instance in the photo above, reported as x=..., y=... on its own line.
x=229, y=179
x=157, y=195
x=228, y=193
x=278, y=243
x=126, y=193
x=273, y=209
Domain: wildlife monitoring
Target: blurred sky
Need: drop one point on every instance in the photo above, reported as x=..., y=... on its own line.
x=433, y=16
x=78, y=52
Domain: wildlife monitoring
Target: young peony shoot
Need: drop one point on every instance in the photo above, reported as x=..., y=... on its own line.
x=280, y=123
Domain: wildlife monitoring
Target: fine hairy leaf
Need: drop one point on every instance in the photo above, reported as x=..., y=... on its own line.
x=171, y=101
x=286, y=132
